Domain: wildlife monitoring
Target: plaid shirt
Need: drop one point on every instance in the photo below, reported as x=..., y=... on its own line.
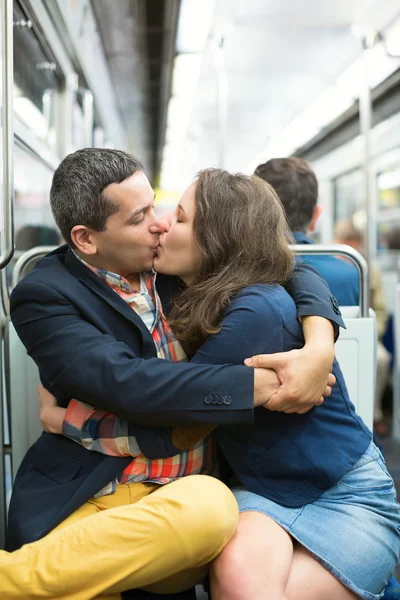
x=103, y=432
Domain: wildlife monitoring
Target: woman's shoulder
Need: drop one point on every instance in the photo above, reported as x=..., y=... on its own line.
x=267, y=304
x=262, y=294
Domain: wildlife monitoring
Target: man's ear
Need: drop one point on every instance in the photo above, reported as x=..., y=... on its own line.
x=316, y=213
x=84, y=239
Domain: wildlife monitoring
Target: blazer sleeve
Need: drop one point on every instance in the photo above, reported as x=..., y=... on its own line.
x=312, y=295
x=76, y=360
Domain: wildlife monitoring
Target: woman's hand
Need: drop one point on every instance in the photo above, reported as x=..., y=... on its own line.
x=51, y=415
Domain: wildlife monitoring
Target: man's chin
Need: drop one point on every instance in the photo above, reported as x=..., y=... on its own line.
x=158, y=265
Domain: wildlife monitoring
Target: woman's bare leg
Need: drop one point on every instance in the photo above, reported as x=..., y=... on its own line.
x=309, y=580
x=256, y=562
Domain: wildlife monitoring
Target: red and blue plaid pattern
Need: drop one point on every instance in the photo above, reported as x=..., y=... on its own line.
x=103, y=432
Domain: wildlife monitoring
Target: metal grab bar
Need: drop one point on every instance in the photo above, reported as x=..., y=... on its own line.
x=26, y=259
x=8, y=132
x=354, y=256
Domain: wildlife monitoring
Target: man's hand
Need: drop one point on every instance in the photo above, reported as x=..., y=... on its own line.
x=304, y=379
x=304, y=374
x=51, y=415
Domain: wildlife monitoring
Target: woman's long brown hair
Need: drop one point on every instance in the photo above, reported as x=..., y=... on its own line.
x=241, y=230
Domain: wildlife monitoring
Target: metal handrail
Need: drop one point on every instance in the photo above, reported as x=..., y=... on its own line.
x=26, y=259
x=8, y=132
x=354, y=256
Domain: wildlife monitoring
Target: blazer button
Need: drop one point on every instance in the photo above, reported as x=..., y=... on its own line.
x=208, y=399
x=227, y=399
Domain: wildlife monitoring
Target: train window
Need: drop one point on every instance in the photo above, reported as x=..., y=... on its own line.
x=348, y=194
x=388, y=185
x=34, y=223
x=36, y=79
x=32, y=188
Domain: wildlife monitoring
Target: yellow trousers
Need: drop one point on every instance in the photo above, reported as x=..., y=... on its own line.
x=159, y=538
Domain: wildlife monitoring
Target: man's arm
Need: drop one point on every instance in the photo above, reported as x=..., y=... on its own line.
x=77, y=360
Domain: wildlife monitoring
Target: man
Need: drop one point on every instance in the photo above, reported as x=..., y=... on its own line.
x=86, y=317
x=297, y=187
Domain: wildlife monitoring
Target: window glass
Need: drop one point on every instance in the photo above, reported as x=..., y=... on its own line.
x=36, y=79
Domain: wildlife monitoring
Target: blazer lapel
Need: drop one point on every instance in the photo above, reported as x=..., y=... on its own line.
x=99, y=287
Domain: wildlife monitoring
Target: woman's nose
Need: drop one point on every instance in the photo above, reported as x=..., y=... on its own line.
x=160, y=226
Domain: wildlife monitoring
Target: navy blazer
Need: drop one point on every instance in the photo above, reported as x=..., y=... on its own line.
x=341, y=276
x=89, y=344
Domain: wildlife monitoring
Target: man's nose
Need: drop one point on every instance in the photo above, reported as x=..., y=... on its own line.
x=160, y=226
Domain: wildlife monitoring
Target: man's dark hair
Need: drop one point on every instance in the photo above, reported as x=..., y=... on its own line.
x=296, y=185
x=77, y=192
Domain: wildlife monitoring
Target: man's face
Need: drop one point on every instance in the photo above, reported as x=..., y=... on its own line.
x=128, y=244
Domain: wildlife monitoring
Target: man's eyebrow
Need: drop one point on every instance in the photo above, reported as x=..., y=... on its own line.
x=181, y=208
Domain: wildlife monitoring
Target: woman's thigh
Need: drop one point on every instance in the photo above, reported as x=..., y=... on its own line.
x=309, y=580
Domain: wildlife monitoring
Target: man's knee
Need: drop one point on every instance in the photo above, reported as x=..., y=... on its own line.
x=211, y=511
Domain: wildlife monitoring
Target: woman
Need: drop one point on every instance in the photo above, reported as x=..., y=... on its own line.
x=319, y=516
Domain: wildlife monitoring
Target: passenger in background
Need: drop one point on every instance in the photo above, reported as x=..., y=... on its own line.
x=30, y=236
x=297, y=187
x=346, y=233
x=392, y=238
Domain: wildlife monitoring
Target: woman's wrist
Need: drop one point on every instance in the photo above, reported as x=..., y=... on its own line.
x=52, y=419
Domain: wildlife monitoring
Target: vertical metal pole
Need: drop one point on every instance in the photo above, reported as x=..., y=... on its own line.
x=222, y=99
x=88, y=116
x=65, y=108
x=370, y=241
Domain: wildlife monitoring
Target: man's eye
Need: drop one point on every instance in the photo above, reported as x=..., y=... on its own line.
x=137, y=222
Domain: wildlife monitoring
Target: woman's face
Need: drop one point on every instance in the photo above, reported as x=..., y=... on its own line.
x=178, y=253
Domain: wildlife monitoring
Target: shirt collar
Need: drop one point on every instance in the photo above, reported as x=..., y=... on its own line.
x=117, y=280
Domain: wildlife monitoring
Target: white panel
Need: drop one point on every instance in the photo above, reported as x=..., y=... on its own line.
x=356, y=353
x=24, y=381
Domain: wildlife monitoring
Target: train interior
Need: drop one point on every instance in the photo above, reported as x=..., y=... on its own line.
x=188, y=84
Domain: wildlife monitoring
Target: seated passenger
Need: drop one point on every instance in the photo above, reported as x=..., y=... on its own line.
x=297, y=187
x=319, y=516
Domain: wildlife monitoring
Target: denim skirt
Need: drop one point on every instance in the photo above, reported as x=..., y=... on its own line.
x=352, y=529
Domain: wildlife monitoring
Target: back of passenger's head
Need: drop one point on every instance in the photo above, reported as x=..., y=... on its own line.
x=77, y=193
x=296, y=185
x=347, y=233
x=31, y=236
x=393, y=238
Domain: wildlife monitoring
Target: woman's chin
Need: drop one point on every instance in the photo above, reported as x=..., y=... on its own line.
x=158, y=265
